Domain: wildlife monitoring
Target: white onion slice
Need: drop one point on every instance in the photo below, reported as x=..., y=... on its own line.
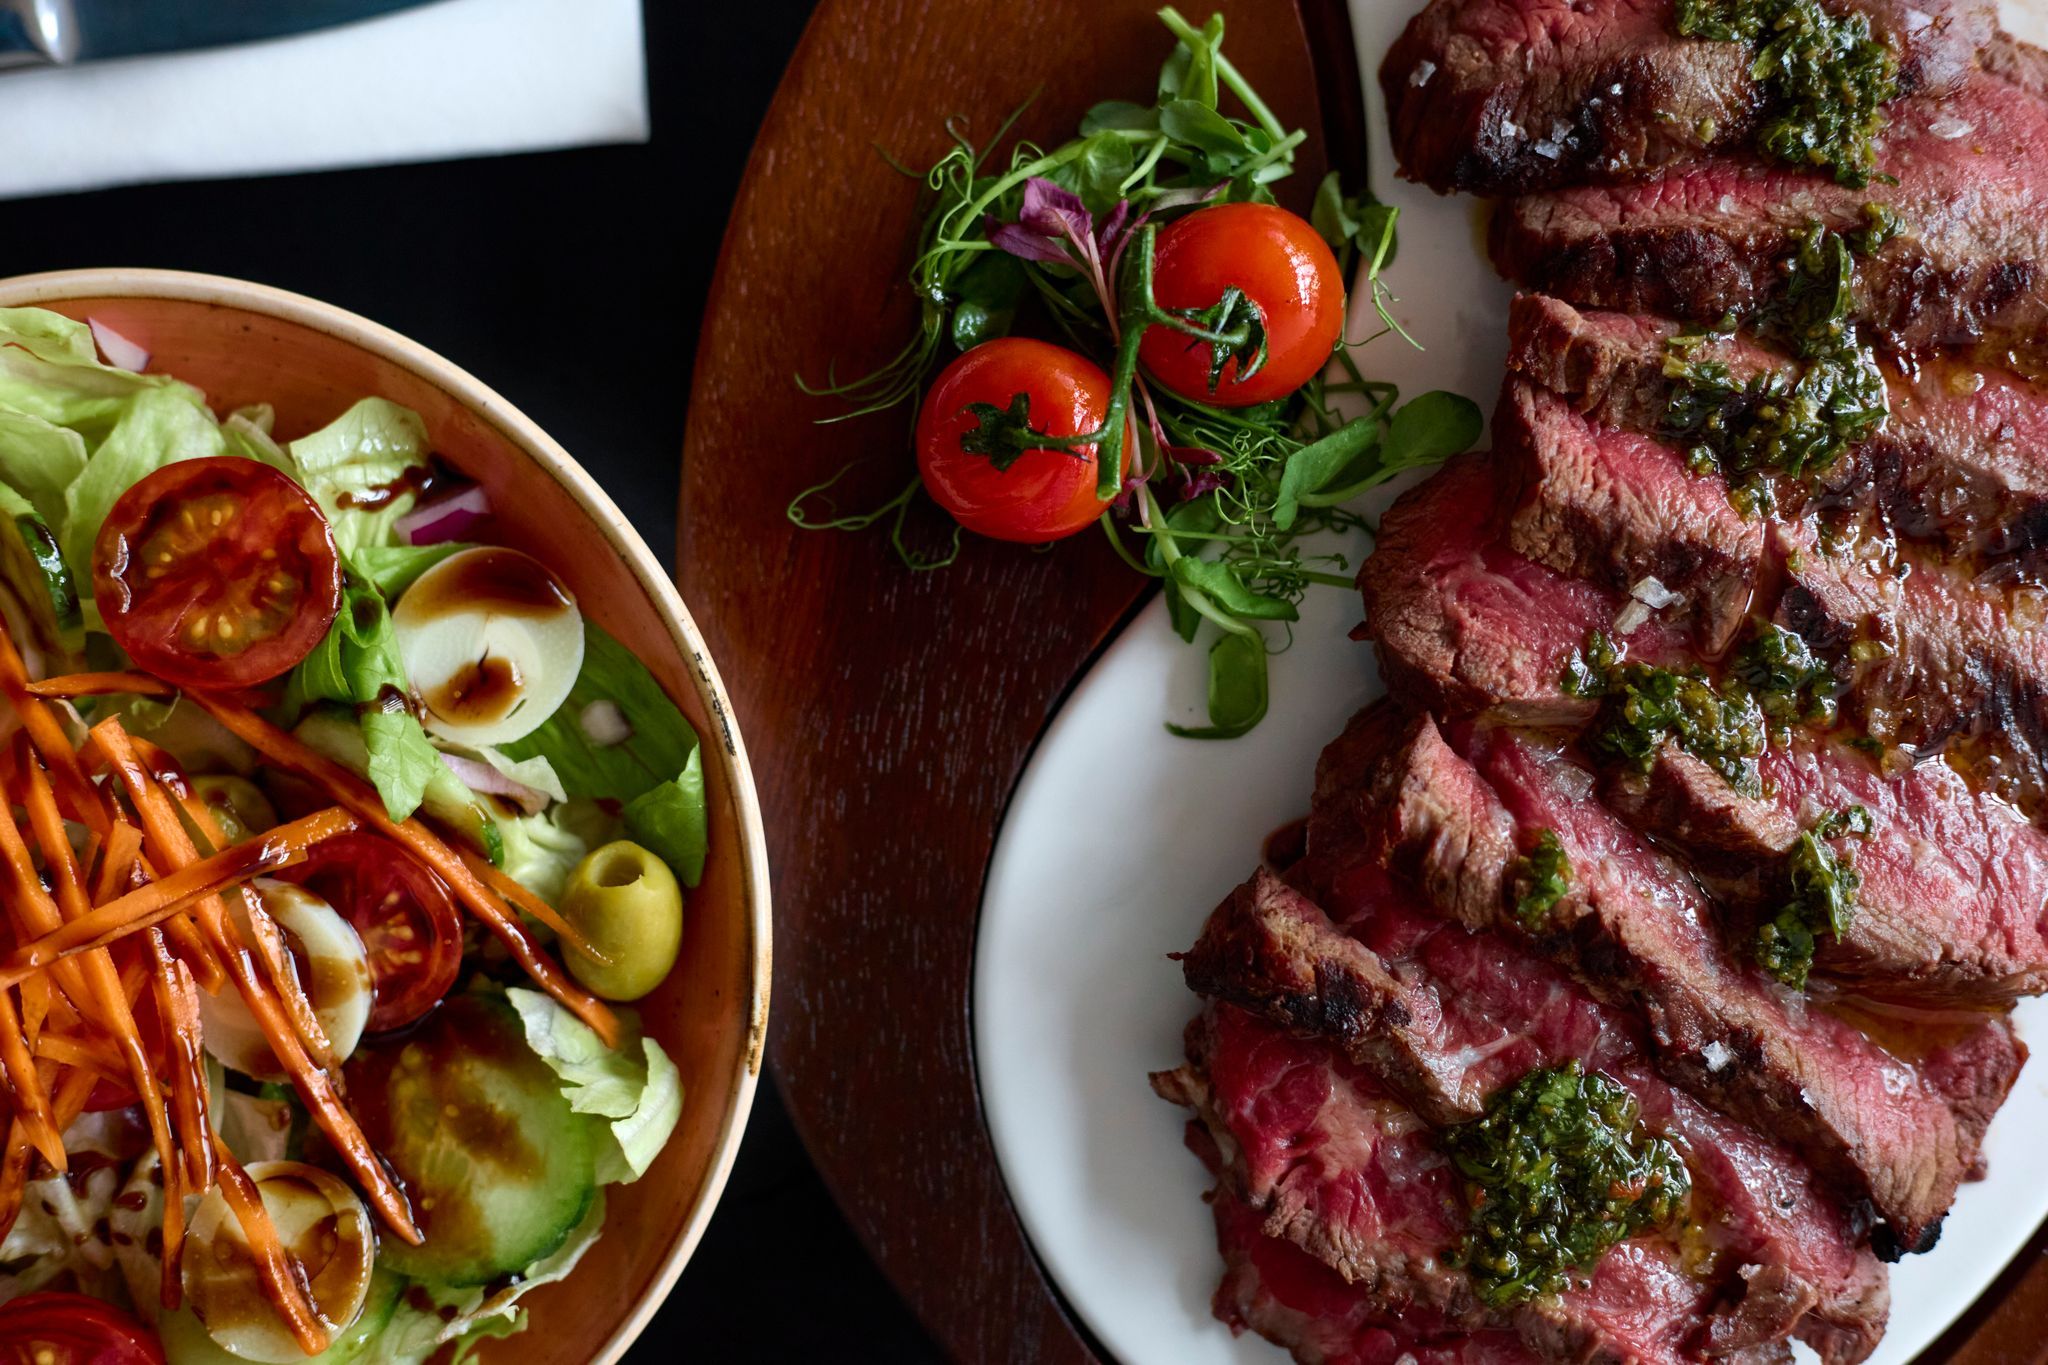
x=324, y=1227
x=604, y=724
x=482, y=778
x=338, y=982
x=120, y=352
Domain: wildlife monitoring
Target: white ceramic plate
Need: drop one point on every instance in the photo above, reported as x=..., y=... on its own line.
x=1120, y=839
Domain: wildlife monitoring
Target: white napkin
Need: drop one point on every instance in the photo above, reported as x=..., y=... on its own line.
x=455, y=78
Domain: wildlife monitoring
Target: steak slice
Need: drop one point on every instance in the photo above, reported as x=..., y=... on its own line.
x=1967, y=266
x=1637, y=931
x=1930, y=655
x=1481, y=1011
x=1619, y=508
x=1296, y=1302
x=1952, y=905
x=1962, y=460
x=1508, y=96
x=1327, y=1161
x=1463, y=624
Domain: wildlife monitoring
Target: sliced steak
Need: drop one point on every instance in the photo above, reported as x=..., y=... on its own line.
x=1931, y=656
x=1333, y=1165
x=1962, y=460
x=1619, y=508
x=1463, y=624
x=1479, y=1011
x=1508, y=96
x=1952, y=901
x=1296, y=1302
x=1637, y=931
x=1967, y=266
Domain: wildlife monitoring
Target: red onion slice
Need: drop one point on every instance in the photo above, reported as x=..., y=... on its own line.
x=120, y=352
x=447, y=518
x=483, y=778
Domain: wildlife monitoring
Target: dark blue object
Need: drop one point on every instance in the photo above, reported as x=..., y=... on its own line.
x=61, y=32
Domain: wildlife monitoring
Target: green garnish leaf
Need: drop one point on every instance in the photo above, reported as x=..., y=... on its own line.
x=1237, y=689
x=1229, y=591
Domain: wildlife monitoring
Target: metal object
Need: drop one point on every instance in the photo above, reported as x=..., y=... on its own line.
x=63, y=32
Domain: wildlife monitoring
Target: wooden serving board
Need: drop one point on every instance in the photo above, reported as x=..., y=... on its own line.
x=891, y=712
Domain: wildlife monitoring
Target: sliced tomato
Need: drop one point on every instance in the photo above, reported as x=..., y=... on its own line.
x=216, y=573
x=1033, y=495
x=1276, y=261
x=73, y=1329
x=403, y=913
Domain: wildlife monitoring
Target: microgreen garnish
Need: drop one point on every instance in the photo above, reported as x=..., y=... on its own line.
x=1219, y=498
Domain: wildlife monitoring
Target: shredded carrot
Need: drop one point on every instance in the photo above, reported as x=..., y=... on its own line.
x=32, y=1101
x=149, y=905
x=177, y=1009
x=284, y=1279
x=359, y=797
x=79, y=795
x=166, y=839
x=118, y=856
x=102, y=980
x=522, y=899
x=72, y=685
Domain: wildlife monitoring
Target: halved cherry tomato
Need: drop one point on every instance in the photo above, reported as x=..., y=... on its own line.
x=1042, y=494
x=73, y=1329
x=216, y=573
x=1278, y=262
x=403, y=913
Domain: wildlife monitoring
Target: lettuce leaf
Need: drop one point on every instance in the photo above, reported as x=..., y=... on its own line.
x=657, y=773
x=39, y=460
x=636, y=1090
x=391, y=569
x=366, y=450
x=50, y=369
x=403, y=761
x=159, y=427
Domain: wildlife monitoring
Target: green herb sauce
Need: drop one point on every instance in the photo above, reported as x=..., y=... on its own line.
x=1539, y=879
x=1792, y=685
x=1559, y=1170
x=1823, y=898
x=1826, y=78
x=1643, y=707
x=1777, y=423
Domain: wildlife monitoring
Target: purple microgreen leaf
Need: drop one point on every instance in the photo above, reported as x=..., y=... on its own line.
x=1022, y=242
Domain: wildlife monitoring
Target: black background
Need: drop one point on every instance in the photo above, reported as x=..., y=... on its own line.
x=573, y=283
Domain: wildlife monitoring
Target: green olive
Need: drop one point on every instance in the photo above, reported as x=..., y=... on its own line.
x=237, y=805
x=626, y=903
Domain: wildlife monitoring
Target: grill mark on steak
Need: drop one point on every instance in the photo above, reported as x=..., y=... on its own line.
x=1954, y=882
x=1637, y=932
x=1327, y=1164
x=1966, y=268
x=1962, y=460
x=1509, y=96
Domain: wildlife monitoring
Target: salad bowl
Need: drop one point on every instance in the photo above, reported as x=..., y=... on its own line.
x=244, y=343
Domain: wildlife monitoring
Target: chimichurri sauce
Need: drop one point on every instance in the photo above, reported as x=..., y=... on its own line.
x=1559, y=1170
x=1822, y=900
x=1643, y=707
x=1539, y=879
x=1826, y=79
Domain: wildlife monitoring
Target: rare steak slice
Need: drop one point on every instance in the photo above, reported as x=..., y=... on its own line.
x=1952, y=882
x=1508, y=96
x=1464, y=624
x=1333, y=1164
x=1966, y=267
x=1274, y=1288
x=1481, y=1011
x=1961, y=461
x=1639, y=933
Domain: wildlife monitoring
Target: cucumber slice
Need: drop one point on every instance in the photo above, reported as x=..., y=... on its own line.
x=187, y=1342
x=447, y=801
x=33, y=567
x=499, y=1168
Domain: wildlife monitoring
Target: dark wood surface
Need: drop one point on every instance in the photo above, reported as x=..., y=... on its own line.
x=893, y=711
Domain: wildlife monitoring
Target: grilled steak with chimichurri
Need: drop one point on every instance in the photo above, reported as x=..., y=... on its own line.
x=1966, y=266
x=1508, y=96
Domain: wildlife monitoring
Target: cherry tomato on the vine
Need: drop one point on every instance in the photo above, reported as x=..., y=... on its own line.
x=218, y=572
x=1278, y=262
x=1018, y=492
x=73, y=1329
